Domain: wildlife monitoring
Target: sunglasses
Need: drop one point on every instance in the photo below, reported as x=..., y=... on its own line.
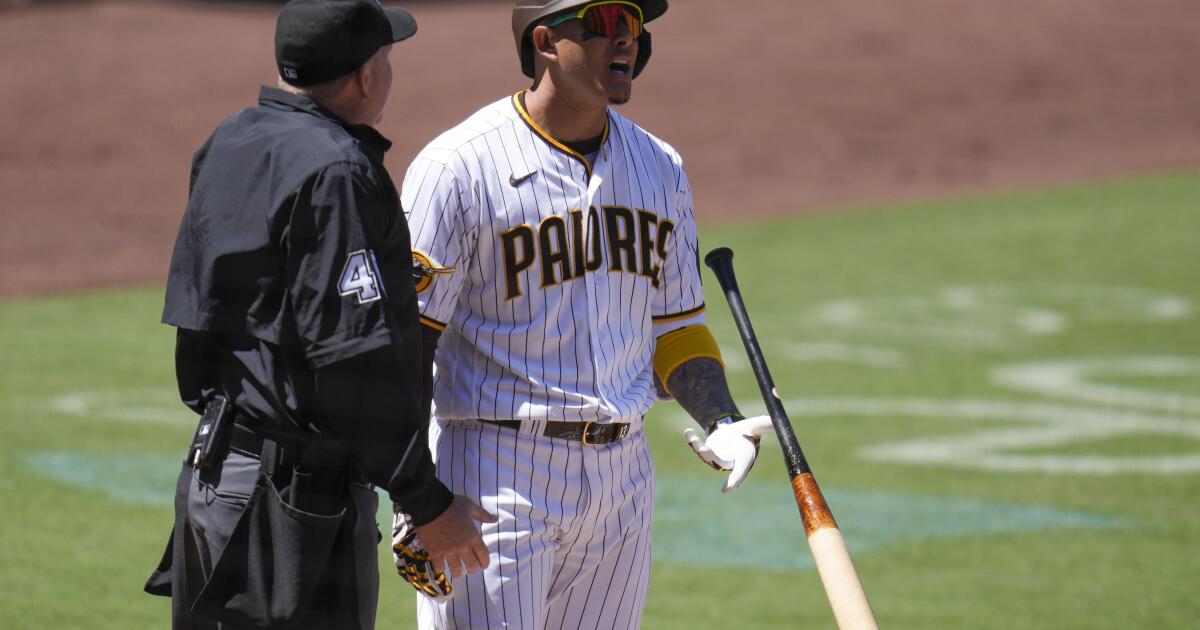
x=603, y=17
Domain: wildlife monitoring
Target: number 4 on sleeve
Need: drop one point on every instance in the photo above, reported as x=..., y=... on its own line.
x=359, y=277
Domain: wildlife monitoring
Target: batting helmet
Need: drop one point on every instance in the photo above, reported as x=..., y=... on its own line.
x=529, y=13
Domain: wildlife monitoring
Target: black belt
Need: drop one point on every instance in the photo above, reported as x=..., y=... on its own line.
x=590, y=433
x=249, y=442
x=245, y=441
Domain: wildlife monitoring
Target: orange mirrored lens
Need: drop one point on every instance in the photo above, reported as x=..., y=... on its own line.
x=604, y=19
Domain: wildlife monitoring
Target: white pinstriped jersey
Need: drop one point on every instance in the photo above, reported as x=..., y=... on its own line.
x=551, y=276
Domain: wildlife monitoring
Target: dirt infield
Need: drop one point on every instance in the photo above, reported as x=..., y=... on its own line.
x=792, y=106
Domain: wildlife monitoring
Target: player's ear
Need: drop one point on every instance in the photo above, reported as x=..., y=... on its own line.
x=544, y=43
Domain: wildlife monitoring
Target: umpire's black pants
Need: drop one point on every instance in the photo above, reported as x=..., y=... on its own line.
x=269, y=565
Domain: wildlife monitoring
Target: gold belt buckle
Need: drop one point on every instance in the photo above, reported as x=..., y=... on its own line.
x=587, y=428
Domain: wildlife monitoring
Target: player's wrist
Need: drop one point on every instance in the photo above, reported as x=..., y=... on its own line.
x=720, y=420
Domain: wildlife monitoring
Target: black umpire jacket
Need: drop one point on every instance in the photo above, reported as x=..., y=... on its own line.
x=291, y=286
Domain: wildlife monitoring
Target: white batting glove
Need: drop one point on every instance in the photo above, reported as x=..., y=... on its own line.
x=732, y=446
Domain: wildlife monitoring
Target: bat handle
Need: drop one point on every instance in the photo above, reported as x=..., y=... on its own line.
x=720, y=260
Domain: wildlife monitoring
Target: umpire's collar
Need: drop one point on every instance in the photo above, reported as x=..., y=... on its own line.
x=276, y=98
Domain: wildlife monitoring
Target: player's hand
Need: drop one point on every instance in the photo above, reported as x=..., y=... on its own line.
x=732, y=447
x=452, y=539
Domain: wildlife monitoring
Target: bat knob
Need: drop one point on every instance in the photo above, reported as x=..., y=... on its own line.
x=717, y=255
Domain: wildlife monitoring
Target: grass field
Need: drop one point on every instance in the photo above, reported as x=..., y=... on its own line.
x=1000, y=396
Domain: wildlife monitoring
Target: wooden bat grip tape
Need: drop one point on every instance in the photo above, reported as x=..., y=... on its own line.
x=813, y=509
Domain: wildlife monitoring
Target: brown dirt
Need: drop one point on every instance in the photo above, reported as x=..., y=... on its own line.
x=794, y=106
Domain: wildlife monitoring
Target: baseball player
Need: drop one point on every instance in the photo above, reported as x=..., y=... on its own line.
x=558, y=281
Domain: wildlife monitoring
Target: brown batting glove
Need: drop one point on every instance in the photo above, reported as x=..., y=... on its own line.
x=413, y=562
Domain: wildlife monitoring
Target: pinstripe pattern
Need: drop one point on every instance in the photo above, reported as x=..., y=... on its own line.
x=570, y=550
x=565, y=272
x=574, y=350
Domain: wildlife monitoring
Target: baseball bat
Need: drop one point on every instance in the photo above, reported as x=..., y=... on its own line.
x=842, y=585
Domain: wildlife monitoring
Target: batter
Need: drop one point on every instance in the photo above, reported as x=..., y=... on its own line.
x=558, y=278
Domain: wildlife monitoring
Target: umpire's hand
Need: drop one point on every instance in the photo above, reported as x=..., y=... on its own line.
x=453, y=540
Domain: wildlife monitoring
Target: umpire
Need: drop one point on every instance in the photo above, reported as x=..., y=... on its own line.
x=298, y=344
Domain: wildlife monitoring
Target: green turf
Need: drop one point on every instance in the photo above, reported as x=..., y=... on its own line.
x=884, y=329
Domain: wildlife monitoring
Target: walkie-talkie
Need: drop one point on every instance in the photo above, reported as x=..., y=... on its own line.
x=212, y=434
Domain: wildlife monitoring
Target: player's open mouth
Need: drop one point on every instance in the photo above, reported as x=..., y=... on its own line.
x=620, y=68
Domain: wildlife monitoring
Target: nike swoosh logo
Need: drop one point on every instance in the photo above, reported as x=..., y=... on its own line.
x=517, y=181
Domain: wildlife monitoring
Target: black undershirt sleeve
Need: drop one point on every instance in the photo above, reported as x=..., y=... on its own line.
x=429, y=340
x=362, y=399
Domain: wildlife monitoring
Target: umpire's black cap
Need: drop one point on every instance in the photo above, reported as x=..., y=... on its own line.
x=320, y=40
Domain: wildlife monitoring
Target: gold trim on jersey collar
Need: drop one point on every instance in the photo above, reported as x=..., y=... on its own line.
x=516, y=101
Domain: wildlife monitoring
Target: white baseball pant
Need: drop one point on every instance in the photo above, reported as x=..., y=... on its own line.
x=571, y=548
